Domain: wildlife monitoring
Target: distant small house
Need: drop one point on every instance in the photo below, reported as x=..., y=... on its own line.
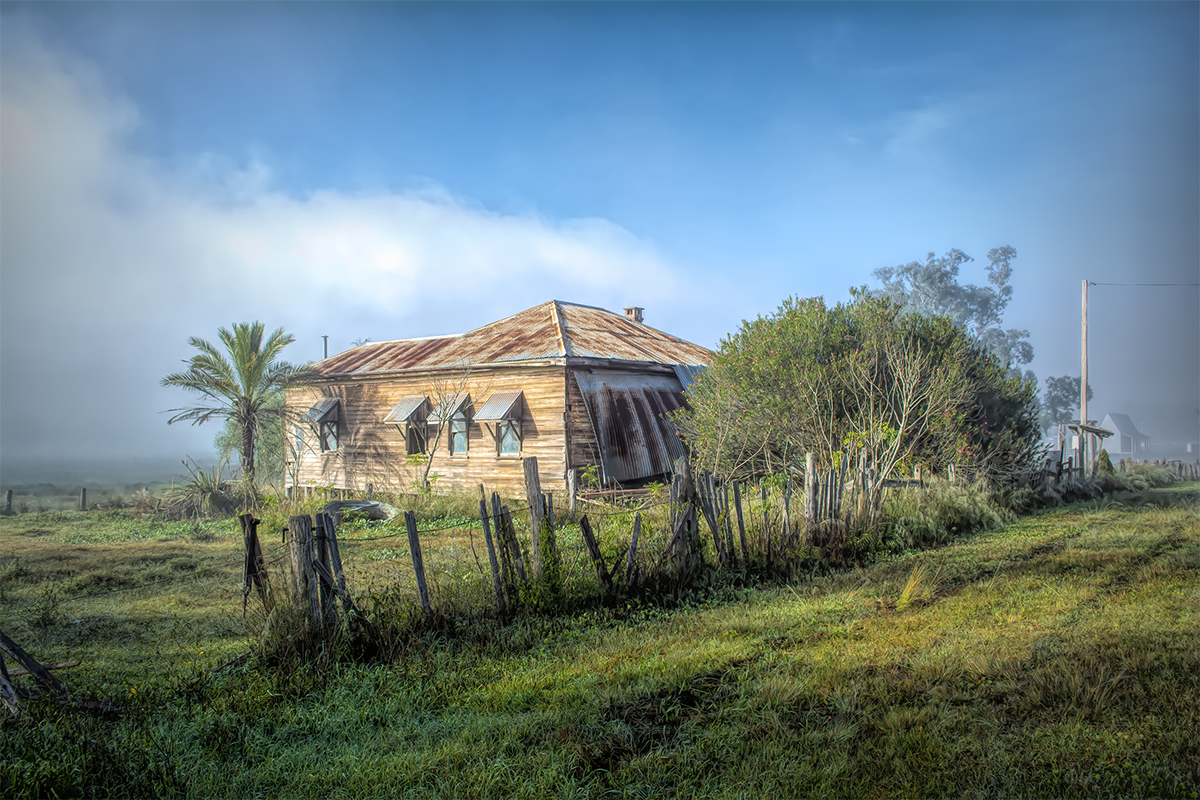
x=1127, y=440
x=580, y=388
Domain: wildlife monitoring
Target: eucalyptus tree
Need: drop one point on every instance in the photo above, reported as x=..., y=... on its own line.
x=241, y=381
x=931, y=287
x=1060, y=400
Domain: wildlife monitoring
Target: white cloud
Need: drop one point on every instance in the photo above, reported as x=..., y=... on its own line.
x=109, y=260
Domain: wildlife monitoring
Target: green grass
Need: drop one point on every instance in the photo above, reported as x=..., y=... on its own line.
x=1054, y=656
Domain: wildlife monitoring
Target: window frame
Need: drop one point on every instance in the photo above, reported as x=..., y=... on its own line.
x=328, y=430
x=501, y=427
x=458, y=418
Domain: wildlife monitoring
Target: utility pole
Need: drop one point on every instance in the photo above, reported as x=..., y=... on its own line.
x=1083, y=385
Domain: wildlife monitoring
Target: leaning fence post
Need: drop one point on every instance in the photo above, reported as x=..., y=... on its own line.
x=631, y=562
x=737, y=501
x=487, y=537
x=594, y=551
x=326, y=540
x=254, y=571
x=414, y=547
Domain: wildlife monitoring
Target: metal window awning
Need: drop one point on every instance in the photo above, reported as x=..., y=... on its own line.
x=324, y=411
x=404, y=411
x=501, y=406
x=449, y=407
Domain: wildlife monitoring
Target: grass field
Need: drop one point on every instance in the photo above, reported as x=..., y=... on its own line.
x=1057, y=656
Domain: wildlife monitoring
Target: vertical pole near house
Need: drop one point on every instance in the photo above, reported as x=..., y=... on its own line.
x=1083, y=382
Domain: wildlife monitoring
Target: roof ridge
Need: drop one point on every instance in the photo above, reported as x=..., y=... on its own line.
x=561, y=335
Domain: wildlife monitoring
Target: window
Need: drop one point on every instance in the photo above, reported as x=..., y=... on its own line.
x=329, y=436
x=458, y=434
x=409, y=417
x=501, y=415
x=324, y=417
x=415, y=440
x=508, y=434
x=452, y=411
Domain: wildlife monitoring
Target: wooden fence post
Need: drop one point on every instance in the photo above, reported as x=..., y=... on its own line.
x=83, y=498
x=305, y=586
x=631, y=562
x=514, y=545
x=766, y=525
x=335, y=564
x=508, y=539
x=414, y=547
x=572, y=491
x=325, y=539
x=8, y=501
x=254, y=571
x=730, y=550
x=737, y=501
x=787, y=513
x=810, y=499
x=709, y=505
x=594, y=551
x=533, y=497
x=487, y=536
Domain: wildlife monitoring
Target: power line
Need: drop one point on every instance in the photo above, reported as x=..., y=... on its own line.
x=1096, y=283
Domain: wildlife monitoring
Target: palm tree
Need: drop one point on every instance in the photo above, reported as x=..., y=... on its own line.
x=242, y=385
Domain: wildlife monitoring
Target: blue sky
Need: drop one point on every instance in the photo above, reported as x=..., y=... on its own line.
x=388, y=170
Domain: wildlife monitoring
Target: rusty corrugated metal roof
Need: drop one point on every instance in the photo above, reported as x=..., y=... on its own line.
x=551, y=330
x=629, y=412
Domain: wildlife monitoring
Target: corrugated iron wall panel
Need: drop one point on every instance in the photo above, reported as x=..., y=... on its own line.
x=629, y=410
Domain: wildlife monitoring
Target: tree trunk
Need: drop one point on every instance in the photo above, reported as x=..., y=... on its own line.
x=247, y=454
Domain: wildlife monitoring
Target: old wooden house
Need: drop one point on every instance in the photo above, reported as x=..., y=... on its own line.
x=585, y=390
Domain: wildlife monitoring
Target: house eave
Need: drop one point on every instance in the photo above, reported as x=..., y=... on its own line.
x=572, y=361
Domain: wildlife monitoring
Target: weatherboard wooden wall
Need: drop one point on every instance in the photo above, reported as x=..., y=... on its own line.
x=372, y=452
x=583, y=448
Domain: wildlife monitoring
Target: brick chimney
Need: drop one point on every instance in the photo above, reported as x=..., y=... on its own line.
x=634, y=313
